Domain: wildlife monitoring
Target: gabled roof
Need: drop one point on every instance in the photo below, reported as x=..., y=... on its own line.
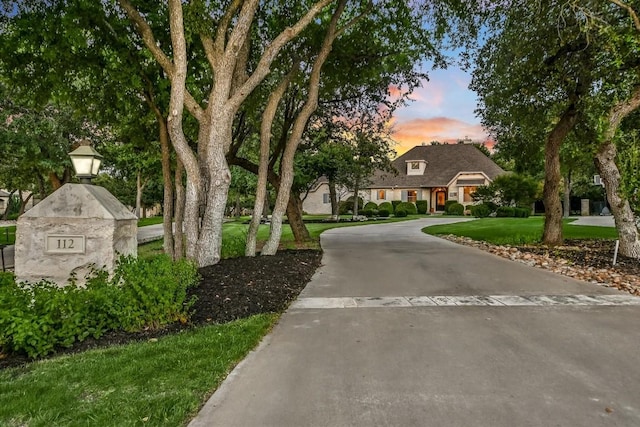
x=444, y=162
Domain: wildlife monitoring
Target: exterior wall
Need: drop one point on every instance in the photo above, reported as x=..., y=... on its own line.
x=314, y=203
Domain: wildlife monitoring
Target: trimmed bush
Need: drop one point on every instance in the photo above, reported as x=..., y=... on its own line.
x=372, y=206
x=401, y=213
x=505, y=212
x=384, y=213
x=395, y=204
x=454, y=209
x=449, y=203
x=482, y=210
x=36, y=319
x=409, y=207
x=385, y=205
x=521, y=212
x=367, y=212
x=422, y=206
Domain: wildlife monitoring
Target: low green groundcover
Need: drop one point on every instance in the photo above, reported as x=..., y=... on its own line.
x=37, y=318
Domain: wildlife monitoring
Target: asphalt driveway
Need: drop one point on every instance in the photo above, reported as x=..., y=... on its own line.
x=398, y=328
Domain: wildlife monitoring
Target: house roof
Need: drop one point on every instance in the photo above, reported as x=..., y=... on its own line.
x=4, y=193
x=444, y=162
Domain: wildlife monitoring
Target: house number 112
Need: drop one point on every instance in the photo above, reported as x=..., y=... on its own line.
x=65, y=244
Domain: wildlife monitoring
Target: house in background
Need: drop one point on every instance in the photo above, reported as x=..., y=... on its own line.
x=4, y=201
x=435, y=173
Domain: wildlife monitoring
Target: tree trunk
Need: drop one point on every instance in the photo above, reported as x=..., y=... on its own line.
x=218, y=176
x=567, y=195
x=356, y=190
x=286, y=164
x=139, y=187
x=333, y=197
x=167, y=179
x=606, y=165
x=263, y=167
x=622, y=213
x=23, y=203
x=5, y=216
x=294, y=215
x=178, y=239
x=552, y=234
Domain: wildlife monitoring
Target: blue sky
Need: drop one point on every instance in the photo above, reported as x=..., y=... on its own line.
x=442, y=109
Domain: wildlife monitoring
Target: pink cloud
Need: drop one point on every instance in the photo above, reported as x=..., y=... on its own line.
x=444, y=129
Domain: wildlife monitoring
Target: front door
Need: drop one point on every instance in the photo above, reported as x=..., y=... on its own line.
x=441, y=197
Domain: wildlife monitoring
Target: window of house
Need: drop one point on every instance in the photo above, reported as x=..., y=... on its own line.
x=415, y=165
x=468, y=193
x=326, y=198
x=412, y=196
x=382, y=195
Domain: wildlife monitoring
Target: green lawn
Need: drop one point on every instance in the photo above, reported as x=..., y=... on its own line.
x=513, y=231
x=155, y=383
x=8, y=235
x=153, y=220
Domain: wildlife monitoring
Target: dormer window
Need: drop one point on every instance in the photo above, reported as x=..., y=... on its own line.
x=416, y=167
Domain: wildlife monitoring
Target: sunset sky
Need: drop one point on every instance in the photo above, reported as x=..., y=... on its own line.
x=442, y=110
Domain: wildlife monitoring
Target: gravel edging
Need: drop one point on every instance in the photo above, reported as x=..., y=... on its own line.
x=552, y=260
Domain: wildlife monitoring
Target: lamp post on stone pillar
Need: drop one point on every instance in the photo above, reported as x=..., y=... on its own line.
x=74, y=230
x=86, y=162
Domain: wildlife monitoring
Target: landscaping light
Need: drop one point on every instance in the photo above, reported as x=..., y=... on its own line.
x=86, y=161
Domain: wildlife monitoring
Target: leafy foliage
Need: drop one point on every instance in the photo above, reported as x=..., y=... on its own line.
x=37, y=318
x=408, y=207
x=508, y=190
x=422, y=206
x=481, y=210
x=454, y=209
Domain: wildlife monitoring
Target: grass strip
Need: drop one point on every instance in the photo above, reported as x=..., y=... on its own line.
x=517, y=231
x=152, y=220
x=8, y=235
x=155, y=383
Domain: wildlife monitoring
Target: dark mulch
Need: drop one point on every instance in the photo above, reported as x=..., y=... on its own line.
x=589, y=253
x=232, y=289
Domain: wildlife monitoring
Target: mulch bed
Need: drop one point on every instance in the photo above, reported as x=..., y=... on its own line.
x=232, y=289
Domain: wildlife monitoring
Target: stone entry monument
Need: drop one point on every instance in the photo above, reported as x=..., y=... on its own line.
x=75, y=229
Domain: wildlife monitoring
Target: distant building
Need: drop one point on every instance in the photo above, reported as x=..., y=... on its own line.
x=435, y=173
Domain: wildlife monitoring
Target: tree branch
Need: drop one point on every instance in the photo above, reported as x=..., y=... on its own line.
x=632, y=13
x=143, y=28
x=270, y=53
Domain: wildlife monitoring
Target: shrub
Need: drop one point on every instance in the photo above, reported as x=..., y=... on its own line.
x=384, y=213
x=367, y=212
x=482, y=210
x=454, y=209
x=505, y=212
x=401, y=213
x=385, y=205
x=449, y=203
x=346, y=206
x=409, y=207
x=395, y=204
x=521, y=212
x=422, y=206
x=372, y=206
x=36, y=319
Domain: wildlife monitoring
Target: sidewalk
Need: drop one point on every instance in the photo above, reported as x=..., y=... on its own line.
x=597, y=221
